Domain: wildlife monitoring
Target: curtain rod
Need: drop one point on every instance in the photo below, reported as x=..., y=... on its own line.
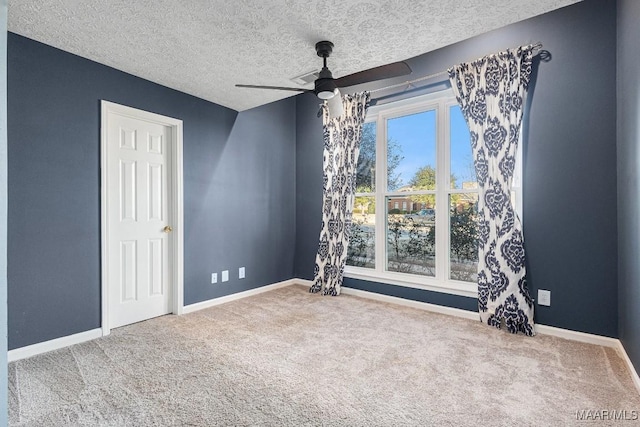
x=536, y=46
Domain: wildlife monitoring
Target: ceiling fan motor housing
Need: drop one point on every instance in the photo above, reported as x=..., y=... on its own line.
x=324, y=84
x=324, y=88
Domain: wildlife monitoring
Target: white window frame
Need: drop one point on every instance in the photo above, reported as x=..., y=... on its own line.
x=440, y=101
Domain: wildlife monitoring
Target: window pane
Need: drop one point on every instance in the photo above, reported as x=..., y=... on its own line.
x=463, y=174
x=411, y=151
x=463, y=213
x=361, y=251
x=365, y=178
x=411, y=238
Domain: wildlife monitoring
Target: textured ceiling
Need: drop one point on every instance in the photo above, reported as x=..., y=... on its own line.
x=204, y=47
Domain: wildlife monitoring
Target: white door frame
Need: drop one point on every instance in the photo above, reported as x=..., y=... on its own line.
x=176, y=243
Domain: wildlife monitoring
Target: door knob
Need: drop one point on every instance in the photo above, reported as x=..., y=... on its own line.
x=167, y=229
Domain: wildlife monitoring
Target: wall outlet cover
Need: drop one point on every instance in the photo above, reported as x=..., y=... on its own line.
x=241, y=273
x=225, y=276
x=544, y=297
x=214, y=278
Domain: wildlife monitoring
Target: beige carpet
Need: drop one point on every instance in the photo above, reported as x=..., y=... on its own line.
x=290, y=358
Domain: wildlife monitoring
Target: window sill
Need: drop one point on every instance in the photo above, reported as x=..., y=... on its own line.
x=452, y=287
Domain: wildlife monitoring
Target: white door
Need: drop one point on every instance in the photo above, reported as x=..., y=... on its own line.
x=138, y=222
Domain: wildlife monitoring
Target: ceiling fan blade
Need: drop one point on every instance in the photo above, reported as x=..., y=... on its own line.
x=294, y=89
x=388, y=71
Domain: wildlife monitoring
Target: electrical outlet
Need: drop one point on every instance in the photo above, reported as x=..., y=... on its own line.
x=214, y=278
x=544, y=297
x=225, y=276
x=241, y=273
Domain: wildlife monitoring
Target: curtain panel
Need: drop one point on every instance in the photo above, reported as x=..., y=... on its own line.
x=342, y=137
x=491, y=92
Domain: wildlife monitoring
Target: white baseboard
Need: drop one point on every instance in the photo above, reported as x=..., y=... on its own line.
x=632, y=369
x=577, y=336
x=228, y=298
x=55, y=344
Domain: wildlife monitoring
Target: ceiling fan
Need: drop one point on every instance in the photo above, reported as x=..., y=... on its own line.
x=327, y=88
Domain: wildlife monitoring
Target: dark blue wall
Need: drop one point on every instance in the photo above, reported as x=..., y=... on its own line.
x=629, y=177
x=239, y=178
x=569, y=188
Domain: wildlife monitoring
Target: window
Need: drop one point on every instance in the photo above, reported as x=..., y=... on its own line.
x=361, y=252
x=414, y=220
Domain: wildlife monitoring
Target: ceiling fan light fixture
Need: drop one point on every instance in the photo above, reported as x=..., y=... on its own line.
x=326, y=94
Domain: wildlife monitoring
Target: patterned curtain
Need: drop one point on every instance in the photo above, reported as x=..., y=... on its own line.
x=491, y=94
x=341, y=149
